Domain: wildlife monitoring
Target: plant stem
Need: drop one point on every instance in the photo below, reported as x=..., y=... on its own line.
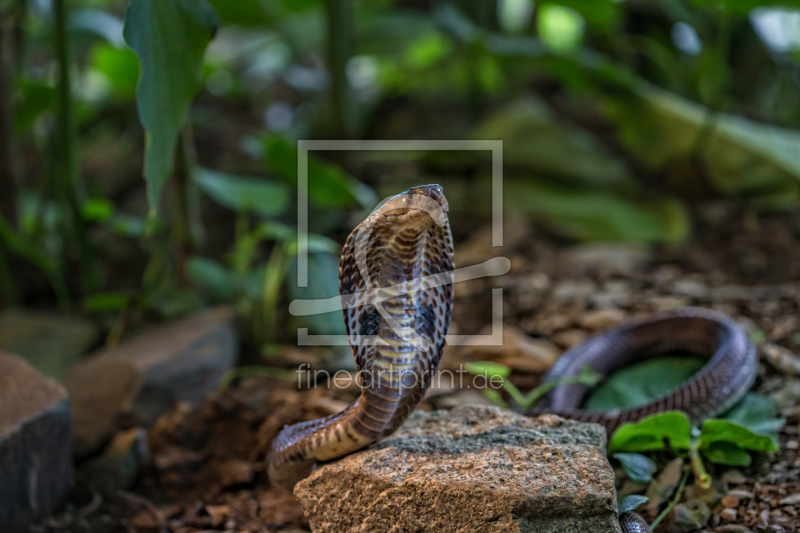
x=340, y=49
x=182, y=235
x=8, y=159
x=71, y=186
x=673, y=502
x=703, y=479
x=273, y=279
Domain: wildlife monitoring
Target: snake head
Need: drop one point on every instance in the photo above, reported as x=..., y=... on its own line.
x=416, y=205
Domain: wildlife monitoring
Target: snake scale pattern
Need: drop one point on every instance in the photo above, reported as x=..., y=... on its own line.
x=395, y=280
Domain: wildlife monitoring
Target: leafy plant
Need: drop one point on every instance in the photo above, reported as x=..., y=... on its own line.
x=491, y=371
x=726, y=441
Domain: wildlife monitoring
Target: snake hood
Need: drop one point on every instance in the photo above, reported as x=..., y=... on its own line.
x=395, y=280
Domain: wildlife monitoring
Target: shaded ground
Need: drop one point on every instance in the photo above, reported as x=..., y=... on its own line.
x=206, y=470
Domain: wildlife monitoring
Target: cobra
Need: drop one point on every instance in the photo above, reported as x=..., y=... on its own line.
x=395, y=282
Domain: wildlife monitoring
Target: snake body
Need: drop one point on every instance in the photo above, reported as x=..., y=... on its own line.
x=395, y=279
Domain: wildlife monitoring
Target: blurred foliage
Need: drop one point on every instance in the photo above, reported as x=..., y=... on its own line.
x=616, y=117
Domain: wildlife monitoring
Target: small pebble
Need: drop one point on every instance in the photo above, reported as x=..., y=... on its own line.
x=731, y=502
x=728, y=515
x=734, y=477
x=741, y=494
x=792, y=445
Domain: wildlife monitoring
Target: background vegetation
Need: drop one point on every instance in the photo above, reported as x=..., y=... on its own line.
x=148, y=147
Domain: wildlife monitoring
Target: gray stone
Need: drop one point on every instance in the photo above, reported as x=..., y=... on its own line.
x=143, y=377
x=474, y=468
x=52, y=343
x=36, y=468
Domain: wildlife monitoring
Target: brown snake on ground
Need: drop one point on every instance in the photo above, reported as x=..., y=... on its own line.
x=395, y=281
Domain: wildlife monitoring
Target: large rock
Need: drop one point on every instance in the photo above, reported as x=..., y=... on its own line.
x=475, y=468
x=52, y=343
x=35, y=444
x=143, y=377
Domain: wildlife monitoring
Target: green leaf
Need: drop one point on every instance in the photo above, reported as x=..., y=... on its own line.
x=261, y=196
x=212, y=277
x=631, y=502
x=756, y=412
x=537, y=139
x=495, y=397
x=715, y=430
x=650, y=434
x=323, y=277
x=97, y=209
x=35, y=99
x=328, y=185
x=725, y=453
x=757, y=161
x=170, y=38
x=640, y=383
x=106, y=301
x=120, y=67
x=488, y=369
x=560, y=28
x=638, y=467
x=596, y=215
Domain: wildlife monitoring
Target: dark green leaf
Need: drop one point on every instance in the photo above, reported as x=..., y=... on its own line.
x=597, y=215
x=723, y=431
x=640, y=383
x=638, y=467
x=106, y=301
x=36, y=98
x=220, y=283
x=631, y=502
x=170, y=39
x=261, y=196
x=328, y=185
x=725, y=453
x=651, y=433
x=323, y=278
x=756, y=412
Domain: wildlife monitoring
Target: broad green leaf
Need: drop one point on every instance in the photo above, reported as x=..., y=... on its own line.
x=756, y=412
x=594, y=215
x=725, y=453
x=536, y=139
x=243, y=12
x=488, y=368
x=640, y=383
x=323, y=282
x=757, y=161
x=265, y=197
x=328, y=185
x=631, y=502
x=638, y=467
x=650, y=434
x=213, y=278
x=170, y=39
x=715, y=430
